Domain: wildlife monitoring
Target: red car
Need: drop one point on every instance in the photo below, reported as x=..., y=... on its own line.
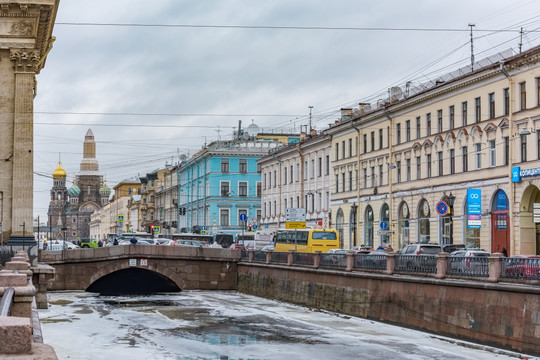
x=238, y=246
x=523, y=266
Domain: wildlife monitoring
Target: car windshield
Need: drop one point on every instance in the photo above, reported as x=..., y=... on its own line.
x=324, y=235
x=430, y=250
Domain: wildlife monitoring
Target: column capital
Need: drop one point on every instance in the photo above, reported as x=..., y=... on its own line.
x=25, y=60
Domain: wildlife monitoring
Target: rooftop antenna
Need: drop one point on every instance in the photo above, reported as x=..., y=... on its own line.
x=472, y=47
x=520, y=39
x=218, y=131
x=310, y=108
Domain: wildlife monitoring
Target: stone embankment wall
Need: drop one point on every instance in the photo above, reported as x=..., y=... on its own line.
x=503, y=315
x=20, y=331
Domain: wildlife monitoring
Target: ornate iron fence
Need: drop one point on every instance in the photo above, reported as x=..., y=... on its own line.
x=520, y=268
x=467, y=266
x=367, y=261
x=280, y=257
x=305, y=259
x=416, y=263
x=333, y=260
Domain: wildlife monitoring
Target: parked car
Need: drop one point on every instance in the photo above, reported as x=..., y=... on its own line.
x=469, y=260
x=184, y=242
x=450, y=248
x=375, y=259
x=419, y=257
x=421, y=249
x=237, y=246
x=59, y=245
x=523, y=266
x=268, y=247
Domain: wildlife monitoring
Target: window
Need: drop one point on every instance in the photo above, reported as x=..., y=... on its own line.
x=373, y=176
x=408, y=169
x=320, y=167
x=440, y=163
x=506, y=150
x=465, y=158
x=373, y=141
x=327, y=165
x=129, y=190
x=428, y=124
x=380, y=174
x=538, y=144
x=523, y=148
x=477, y=110
x=398, y=171
x=365, y=143
x=428, y=165
x=285, y=175
x=478, y=155
x=337, y=183
x=522, y=96
x=439, y=121
x=365, y=178
x=224, y=188
x=452, y=161
x=343, y=182
x=297, y=172
x=259, y=189
x=491, y=98
x=464, y=113
x=381, y=141
x=350, y=148
x=350, y=181
x=225, y=165
x=418, y=168
x=492, y=159
x=305, y=169
x=506, y=99
x=408, y=130
x=355, y=149
x=275, y=178
x=538, y=91
x=242, y=165
x=242, y=188
x=398, y=134
x=291, y=175
x=418, y=127
x=312, y=168
x=224, y=217
x=451, y=112
x=337, y=150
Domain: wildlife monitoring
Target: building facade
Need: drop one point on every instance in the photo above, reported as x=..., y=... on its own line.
x=219, y=184
x=454, y=160
x=297, y=176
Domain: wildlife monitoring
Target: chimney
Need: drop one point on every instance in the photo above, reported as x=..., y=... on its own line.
x=302, y=136
x=346, y=114
x=313, y=132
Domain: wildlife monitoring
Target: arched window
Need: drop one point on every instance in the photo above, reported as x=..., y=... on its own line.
x=423, y=221
x=368, y=226
x=340, y=222
x=403, y=224
x=385, y=217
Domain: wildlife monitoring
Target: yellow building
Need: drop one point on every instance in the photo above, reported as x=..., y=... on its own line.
x=436, y=161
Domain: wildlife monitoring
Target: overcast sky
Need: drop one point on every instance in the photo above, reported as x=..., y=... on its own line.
x=150, y=93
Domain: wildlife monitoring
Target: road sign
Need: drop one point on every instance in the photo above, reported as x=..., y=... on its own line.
x=295, y=214
x=295, y=225
x=442, y=208
x=203, y=227
x=384, y=225
x=254, y=227
x=157, y=229
x=243, y=217
x=384, y=232
x=120, y=218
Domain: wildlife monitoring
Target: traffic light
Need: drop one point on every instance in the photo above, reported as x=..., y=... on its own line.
x=250, y=226
x=151, y=229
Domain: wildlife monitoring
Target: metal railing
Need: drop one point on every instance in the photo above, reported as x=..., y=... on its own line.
x=7, y=302
x=333, y=260
x=426, y=264
x=305, y=259
x=370, y=262
x=520, y=268
x=467, y=266
x=6, y=253
x=259, y=256
x=280, y=257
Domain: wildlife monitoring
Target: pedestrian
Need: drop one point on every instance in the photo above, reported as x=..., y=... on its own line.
x=390, y=249
x=115, y=242
x=380, y=247
x=504, y=252
x=100, y=243
x=133, y=240
x=45, y=246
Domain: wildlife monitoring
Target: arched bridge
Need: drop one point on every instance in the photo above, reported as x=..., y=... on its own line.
x=126, y=269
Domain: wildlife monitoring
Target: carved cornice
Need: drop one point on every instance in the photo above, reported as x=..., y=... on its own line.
x=25, y=60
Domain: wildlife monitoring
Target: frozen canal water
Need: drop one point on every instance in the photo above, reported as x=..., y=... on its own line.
x=229, y=325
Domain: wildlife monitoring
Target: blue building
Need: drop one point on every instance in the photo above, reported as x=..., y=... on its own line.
x=219, y=184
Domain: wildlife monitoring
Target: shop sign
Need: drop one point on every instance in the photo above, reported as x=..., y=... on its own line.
x=517, y=173
x=474, y=221
x=474, y=201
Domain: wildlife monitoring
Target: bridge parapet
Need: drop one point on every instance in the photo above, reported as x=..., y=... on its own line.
x=20, y=330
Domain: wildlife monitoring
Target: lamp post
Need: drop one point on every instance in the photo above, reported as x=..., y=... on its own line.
x=354, y=208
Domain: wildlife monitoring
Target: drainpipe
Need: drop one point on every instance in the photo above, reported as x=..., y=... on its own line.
x=390, y=181
x=280, y=179
x=510, y=154
x=357, y=182
x=2, y=217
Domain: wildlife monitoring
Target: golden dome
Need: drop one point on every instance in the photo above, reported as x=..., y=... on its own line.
x=59, y=173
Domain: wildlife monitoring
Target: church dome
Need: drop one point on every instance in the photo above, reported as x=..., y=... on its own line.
x=59, y=173
x=74, y=190
x=105, y=190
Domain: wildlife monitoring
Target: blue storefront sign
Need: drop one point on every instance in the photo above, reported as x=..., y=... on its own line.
x=517, y=173
x=474, y=201
x=502, y=201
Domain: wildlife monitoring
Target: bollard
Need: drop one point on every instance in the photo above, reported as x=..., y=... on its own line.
x=495, y=264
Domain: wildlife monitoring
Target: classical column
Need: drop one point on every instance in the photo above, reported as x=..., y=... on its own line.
x=25, y=63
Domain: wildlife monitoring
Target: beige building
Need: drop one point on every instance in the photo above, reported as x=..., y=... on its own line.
x=167, y=202
x=25, y=40
x=452, y=161
x=297, y=176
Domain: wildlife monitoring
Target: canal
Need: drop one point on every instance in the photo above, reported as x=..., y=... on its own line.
x=227, y=325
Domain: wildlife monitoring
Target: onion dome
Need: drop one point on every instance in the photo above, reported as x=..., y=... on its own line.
x=59, y=173
x=74, y=190
x=105, y=190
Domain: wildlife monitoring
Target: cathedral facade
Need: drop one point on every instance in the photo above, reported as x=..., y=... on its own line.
x=70, y=209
